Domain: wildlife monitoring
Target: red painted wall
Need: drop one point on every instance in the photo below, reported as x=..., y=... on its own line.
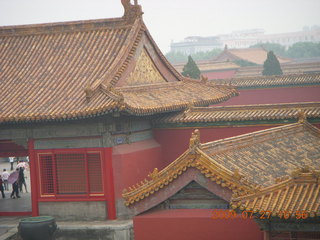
x=275, y=95
x=176, y=141
x=191, y=224
x=220, y=75
x=145, y=154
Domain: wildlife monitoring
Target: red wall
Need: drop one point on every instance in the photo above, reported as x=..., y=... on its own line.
x=133, y=162
x=275, y=95
x=176, y=141
x=191, y=224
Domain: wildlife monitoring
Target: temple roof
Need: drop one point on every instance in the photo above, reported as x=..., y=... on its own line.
x=243, y=164
x=270, y=81
x=83, y=69
x=254, y=55
x=295, y=194
x=242, y=113
x=205, y=66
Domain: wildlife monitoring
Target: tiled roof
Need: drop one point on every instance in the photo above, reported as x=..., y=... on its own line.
x=269, y=81
x=287, y=68
x=242, y=113
x=254, y=55
x=77, y=69
x=297, y=196
x=210, y=66
x=268, y=154
x=142, y=100
x=192, y=158
x=243, y=164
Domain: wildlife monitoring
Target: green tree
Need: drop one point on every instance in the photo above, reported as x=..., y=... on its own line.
x=304, y=50
x=191, y=69
x=271, y=66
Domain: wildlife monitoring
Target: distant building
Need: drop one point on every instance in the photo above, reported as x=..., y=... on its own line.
x=195, y=44
x=245, y=39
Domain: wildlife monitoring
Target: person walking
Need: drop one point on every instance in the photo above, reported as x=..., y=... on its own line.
x=22, y=180
x=1, y=188
x=5, y=175
x=11, y=160
x=14, y=179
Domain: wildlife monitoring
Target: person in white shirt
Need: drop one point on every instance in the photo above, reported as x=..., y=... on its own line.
x=5, y=175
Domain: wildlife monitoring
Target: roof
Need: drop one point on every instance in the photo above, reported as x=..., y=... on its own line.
x=297, y=196
x=243, y=164
x=83, y=69
x=206, y=66
x=287, y=68
x=271, y=81
x=254, y=55
x=242, y=113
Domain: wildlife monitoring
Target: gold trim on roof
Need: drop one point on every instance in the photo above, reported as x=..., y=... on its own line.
x=192, y=158
x=145, y=72
x=295, y=194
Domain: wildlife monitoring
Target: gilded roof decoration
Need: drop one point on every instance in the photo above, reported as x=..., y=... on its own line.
x=145, y=72
x=60, y=71
x=297, y=194
x=244, y=164
x=275, y=80
x=243, y=113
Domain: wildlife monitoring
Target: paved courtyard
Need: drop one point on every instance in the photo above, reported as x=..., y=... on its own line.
x=22, y=204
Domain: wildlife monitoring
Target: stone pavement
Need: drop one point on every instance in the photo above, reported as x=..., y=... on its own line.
x=109, y=230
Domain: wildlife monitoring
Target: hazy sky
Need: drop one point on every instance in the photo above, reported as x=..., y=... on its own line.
x=169, y=20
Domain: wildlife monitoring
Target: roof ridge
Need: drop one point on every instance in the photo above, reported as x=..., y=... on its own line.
x=162, y=57
x=63, y=27
x=120, y=63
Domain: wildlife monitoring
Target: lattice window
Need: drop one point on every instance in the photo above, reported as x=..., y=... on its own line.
x=94, y=172
x=46, y=170
x=71, y=173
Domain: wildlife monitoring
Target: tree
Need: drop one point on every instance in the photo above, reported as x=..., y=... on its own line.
x=271, y=66
x=304, y=50
x=278, y=49
x=191, y=69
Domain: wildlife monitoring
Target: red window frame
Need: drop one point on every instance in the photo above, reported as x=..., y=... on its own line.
x=49, y=185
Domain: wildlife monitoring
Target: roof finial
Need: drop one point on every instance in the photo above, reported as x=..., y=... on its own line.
x=131, y=12
x=194, y=140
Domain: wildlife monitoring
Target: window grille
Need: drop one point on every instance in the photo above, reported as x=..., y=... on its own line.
x=94, y=170
x=70, y=173
x=46, y=173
